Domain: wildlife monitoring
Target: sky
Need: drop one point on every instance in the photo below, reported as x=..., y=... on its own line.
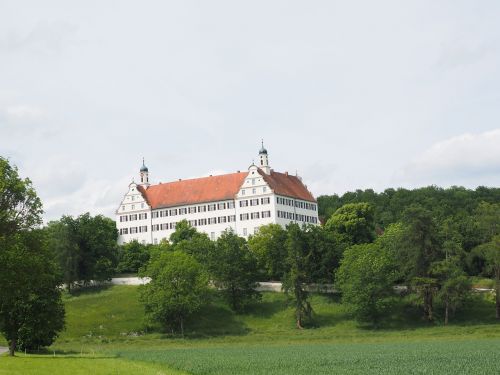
x=348, y=94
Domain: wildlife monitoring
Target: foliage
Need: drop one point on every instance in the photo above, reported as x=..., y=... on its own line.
x=268, y=244
x=354, y=223
x=132, y=256
x=31, y=310
x=454, y=285
x=177, y=289
x=20, y=207
x=366, y=277
x=234, y=270
x=491, y=252
x=85, y=247
x=296, y=276
x=187, y=239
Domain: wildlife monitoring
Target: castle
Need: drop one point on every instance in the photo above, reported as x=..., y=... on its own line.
x=241, y=201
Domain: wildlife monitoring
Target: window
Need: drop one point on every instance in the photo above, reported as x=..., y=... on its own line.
x=264, y=189
x=265, y=200
x=192, y=210
x=143, y=216
x=230, y=204
x=143, y=229
x=164, y=226
x=221, y=219
x=253, y=181
x=244, y=231
x=231, y=218
x=154, y=214
x=182, y=211
x=212, y=220
x=133, y=230
x=243, y=217
x=212, y=236
x=123, y=208
x=255, y=215
x=133, y=207
x=266, y=214
x=244, y=203
x=242, y=191
x=132, y=197
x=173, y=212
x=193, y=223
x=133, y=217
x=123, y=218
x=156, y=241
x=202, y=208
x=155, y=228
x=173, y=225
x=221, y=206
x=142, y=205
x=254, y=202
x=212, y=207
x=202, y=221
x=254, y=191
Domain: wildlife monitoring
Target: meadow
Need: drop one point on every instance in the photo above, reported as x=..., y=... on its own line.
x=106, y=333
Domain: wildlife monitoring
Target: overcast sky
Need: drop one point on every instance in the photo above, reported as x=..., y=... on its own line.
x=351, y=94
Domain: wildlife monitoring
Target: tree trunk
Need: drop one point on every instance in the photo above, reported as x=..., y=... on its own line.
x=182, y=327
x=299, y=323
x=497, y=295
x=12, y=347
x=447, y=305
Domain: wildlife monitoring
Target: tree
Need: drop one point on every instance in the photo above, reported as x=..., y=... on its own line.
x=366, y=277
x=20, y=207
x=354, y=222
x=189, y=240
x=31, y=311
x=268, y=245
x=234, y=270
x=85, y=247
x=296, y=277
x=491, y=251
x=453, y=284
x=133, y=256
x=178, y=288
x=31, y=308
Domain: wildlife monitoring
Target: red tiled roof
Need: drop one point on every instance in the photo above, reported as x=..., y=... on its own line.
x=287, y=185
x=219, y=188
x=196, y=190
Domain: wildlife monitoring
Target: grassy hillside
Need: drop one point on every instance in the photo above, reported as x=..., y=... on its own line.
x=110, y=322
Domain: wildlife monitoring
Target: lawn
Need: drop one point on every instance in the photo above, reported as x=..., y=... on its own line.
x=75, y=365
x=109, y=323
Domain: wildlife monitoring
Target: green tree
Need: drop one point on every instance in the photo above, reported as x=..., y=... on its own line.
x=133, y=256
x=178, y=288
x=354, y=222
x=296, y=277
x=187, y=239
x=20, y=207
x=366, y=277
x=31, y=311
x=268, y=244
x=454, y=285
x=233, y=268
x=85, y=247
x=491, y=252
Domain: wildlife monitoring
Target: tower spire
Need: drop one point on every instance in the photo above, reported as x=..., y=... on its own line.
x=144, y=174
x=263, y=159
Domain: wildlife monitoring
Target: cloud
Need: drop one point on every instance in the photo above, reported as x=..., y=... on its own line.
x=468, y=159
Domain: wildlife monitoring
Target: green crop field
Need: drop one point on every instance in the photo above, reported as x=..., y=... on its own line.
x=109, y=324
x=477, y=357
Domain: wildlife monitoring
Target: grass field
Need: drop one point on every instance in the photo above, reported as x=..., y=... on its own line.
x=109, y=323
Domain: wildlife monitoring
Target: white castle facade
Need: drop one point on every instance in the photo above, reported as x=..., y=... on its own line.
x=241, y=201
